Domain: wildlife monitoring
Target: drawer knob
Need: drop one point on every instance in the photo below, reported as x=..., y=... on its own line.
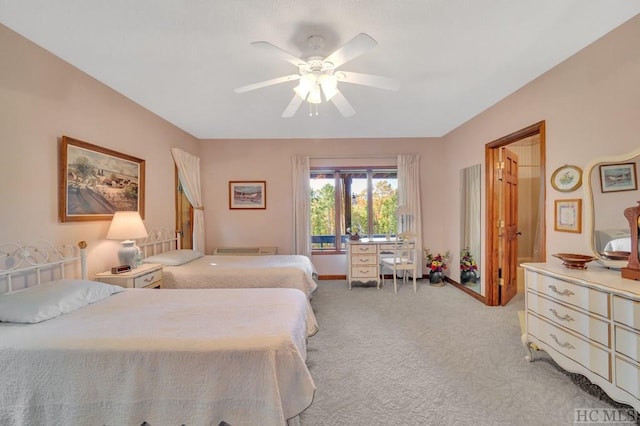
x=565, y=292
x=562, y=345
x=148, y=279
x=565, y=317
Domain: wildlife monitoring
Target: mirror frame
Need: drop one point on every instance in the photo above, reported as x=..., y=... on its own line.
x=590, y=208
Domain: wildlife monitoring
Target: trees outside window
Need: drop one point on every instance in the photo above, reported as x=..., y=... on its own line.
x=354, y=197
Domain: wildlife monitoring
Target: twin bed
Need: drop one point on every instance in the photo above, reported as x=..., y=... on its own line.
x=83, y=352
x=191, y=269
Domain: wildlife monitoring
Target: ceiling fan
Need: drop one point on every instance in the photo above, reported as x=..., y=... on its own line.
x=318, y=76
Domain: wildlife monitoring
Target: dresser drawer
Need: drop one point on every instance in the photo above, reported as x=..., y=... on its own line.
x=573, y=347
x=364, y=271
x=387, y=248
x=363, y=248
x=589, y=326
x=586, y=298
x=627, y=342
x=147, y=279
x=363, y=259
x=628, y=377
x=626, y=311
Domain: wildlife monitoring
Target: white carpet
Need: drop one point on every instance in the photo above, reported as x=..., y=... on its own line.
x=438, y=357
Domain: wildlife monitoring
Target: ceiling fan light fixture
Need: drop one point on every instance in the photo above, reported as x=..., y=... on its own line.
x=306, y=84
x=314, y=95
x=318, y=75
x=329, y=86
x=302, y=93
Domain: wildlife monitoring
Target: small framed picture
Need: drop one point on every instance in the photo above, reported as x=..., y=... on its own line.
x=247, y=194
x=567, y=178
x=568, y=215
x=618, y=177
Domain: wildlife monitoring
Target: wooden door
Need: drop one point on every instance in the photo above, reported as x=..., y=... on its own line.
x=509, y=232
x=184, y=216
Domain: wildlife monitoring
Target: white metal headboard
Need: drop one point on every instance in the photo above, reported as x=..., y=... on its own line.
x=31, y=260
x=159, y=241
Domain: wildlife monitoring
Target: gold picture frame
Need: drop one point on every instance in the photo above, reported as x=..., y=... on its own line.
x=566, y=178
x=95, y=182
x=568, y=215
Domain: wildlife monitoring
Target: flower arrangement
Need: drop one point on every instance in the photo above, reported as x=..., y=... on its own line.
x=467, y=262
x=437, y=262
x=354, y=232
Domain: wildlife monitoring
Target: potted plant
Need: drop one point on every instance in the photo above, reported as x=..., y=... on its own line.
x=468, y=267
x=437, y=263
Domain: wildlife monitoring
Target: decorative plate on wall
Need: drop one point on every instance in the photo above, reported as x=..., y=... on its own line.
x=567, y=178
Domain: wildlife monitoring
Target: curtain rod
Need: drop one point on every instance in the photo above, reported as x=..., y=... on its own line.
x=352, y=157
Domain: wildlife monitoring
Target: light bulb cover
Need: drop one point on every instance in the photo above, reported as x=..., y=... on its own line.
x=314, y=95
x=329, y=85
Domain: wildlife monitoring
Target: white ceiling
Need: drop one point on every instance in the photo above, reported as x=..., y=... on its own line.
x=181, y=59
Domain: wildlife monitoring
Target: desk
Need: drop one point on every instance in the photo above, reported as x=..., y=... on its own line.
x=363, y=259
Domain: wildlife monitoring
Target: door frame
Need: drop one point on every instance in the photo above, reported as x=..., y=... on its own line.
x=491, y=263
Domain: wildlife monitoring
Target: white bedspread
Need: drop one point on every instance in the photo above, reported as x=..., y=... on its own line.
x=619, y=244
x=213, y=271
x=167, y=357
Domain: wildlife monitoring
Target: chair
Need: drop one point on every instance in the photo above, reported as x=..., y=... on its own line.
x=403, y=260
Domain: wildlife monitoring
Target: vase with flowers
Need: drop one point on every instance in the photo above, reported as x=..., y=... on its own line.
x=437, y=263
x=468, y=267
x=354, y=232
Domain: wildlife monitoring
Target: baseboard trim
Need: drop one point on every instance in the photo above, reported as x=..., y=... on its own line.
x=331, y=277
x=471, y=293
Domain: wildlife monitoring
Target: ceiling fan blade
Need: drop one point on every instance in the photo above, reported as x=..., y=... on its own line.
x=343, y=104
x=282, y=54
x=351, y=49
x=367, y=80
x=266, y=83
x=293, y=106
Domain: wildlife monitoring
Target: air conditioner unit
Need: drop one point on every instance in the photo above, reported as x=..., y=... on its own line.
x=245, y=251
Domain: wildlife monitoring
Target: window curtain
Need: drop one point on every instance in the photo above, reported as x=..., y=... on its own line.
x=189, y=175
x=409, y=197
x=301, y=205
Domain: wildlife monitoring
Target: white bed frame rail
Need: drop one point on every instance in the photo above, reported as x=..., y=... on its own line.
x=159, y=241
x=30, y=260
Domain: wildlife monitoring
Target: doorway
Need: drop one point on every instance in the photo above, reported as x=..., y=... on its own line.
x=526, y=217
x=184, y=216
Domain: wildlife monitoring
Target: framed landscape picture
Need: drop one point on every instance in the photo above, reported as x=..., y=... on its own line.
x=247, y=195
x=618, y=177
x=96, y=182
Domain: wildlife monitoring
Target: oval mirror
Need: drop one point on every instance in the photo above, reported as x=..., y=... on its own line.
x=611, y=186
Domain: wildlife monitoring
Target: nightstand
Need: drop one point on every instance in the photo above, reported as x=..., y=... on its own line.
x=147, y=275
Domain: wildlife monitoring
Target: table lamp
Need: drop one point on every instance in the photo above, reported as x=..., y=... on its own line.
x=127, y=226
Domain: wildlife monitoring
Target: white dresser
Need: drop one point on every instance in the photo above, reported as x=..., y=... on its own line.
x=588, y=322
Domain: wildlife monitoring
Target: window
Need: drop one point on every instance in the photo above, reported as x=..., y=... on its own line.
x=343, y=198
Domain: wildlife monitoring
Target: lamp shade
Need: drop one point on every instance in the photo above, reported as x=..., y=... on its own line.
x=126, y=225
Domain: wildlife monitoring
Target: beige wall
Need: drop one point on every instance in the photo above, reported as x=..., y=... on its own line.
x=43, y=98
x=270, y=160
x=591, y=104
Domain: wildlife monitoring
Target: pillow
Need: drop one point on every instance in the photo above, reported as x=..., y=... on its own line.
x=46, y=301
x=174, y=257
